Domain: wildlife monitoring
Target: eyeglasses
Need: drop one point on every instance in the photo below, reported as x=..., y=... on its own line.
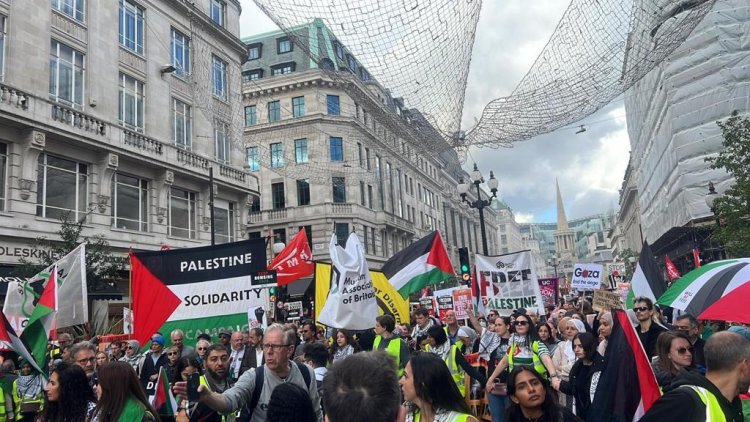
x=85, y=361
x=130, y=348
x=683, y=350
x=641, y=309
x=172, y=353
x=202, y=348
x=521, y=323
x=682, y=328
x=275, y=346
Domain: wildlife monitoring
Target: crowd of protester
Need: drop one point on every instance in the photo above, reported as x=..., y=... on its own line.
x=527, y=367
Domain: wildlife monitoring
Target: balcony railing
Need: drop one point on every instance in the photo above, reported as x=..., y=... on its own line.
x=195, y=160
x=14, y=97
x=142, y=142
x=77, y=119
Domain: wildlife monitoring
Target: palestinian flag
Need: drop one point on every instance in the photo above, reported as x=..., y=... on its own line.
x=197, y=290
x=627, y=386
x=421, y=264
x=42, y=321
x=163, y=395
x=647, y=279
x=9, y=337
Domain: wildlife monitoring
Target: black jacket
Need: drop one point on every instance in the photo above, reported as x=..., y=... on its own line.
x=579, y=385
x=649, y=338
x=150, y=368
x=683, y=404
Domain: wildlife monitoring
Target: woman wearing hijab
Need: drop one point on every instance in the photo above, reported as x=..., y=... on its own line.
x=564, y=356
x=27, y=392
x=132, y=356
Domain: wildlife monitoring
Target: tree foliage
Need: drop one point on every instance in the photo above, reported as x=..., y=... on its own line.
x=733, y=207
x=102, y=267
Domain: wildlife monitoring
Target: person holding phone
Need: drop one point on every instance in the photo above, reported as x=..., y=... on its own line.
x=188, y=370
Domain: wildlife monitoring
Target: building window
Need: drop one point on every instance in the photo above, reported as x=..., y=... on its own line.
x=277, y=195
x=253, y=159
x=277, y=155
x=283, y=45
x=219, y=77
x=332, y=102
x=342, y=233
x=251, y=115
x=254, y=51
x=62, y=187
x=224, y=222
x=66, y=75
x=298, y=106
x=339, y=50
x=369, y=197
x=131, y=102
x=129, y=202
x=367, y=239
x=221, y=138
x=180, y=53
x=279, y=235
x=3, y=175
x=131, y=26
x=362, y=197
x=308, y=233
x=274, y=111
x=3, y=34
x=351, y=63
x=182, y=123
x=252, y=75
x=73, y=8
x=300, y=151
x=337, y=149
x=218, y=12
x=181, y=216
x=339, y=190
x=283, y=69
x=303, y=192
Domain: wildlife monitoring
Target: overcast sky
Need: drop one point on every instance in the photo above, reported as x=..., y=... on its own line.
x=590, y=165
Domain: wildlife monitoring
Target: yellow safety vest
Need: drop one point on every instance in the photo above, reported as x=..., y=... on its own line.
x=713, y=408
x=453, y=416
x=458, y=342
x=3, y=416
x=457, y=373
x=18, y=400
x=538, y=365
x=393, y=349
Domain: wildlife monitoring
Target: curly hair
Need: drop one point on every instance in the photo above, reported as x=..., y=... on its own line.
x=75, y=394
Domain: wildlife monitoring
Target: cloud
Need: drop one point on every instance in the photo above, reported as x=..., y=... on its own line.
x=589, y=166
x=522, y=218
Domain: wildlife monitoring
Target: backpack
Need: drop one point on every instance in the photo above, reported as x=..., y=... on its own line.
x=259, y=378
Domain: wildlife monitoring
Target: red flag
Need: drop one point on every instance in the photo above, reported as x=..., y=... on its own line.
x=696, y=258
x=672, y=271
x=295, y=261
x=153, y=302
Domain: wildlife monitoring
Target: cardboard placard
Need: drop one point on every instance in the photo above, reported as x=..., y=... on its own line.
x=604, y=301
x=428, y=302
x=587, y=276
x=462, y=301
x=445, y=304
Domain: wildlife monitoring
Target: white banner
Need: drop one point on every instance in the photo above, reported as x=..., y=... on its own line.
x=72, y=297
x=587, y=276
x=351, y=302
x=509, y=282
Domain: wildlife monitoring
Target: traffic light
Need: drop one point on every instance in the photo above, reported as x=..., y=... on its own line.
x=463, y=259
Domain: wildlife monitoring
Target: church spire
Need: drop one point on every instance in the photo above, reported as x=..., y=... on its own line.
x=562, y=220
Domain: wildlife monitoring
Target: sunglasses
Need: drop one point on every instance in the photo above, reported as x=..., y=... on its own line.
x=641, y=309
x=521, y=323
x=171, y=353
x=683, y=350
x=130, y=348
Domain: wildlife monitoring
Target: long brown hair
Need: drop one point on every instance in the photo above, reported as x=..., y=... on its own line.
x=663, y=345
x=118, y=382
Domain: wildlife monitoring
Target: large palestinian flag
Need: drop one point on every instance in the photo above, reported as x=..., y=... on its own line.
x=197, y=290
x=647, y=279
x=423, y=263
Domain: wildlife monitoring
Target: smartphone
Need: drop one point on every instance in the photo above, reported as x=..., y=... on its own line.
x=193, y=382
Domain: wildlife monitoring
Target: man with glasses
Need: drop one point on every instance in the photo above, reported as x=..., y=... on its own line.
x=83, y=354
x=689, y=325
x=63, y=340
x=152, y=363
x=648, y=330
x=255, y=386
x=201, y=350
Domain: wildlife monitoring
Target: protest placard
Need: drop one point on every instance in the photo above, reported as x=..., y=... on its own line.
x=604, y=301
x=461, y=302
x=587, y=276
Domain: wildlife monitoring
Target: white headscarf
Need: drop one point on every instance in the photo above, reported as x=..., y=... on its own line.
x=568, y=346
